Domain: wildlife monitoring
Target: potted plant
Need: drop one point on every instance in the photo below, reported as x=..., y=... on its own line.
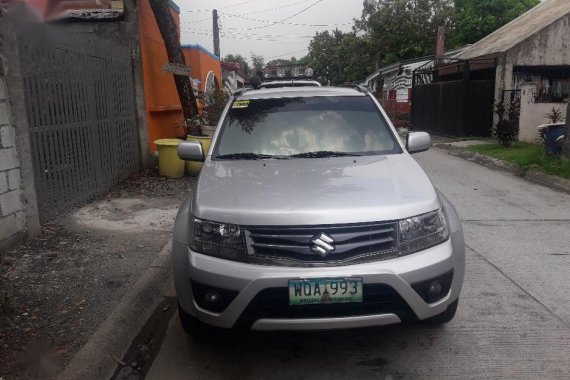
x=214, y=105
x=197, y=123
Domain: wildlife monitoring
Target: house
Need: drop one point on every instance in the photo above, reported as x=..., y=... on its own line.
x=206, y=67
x=392, y=85
x=532, y=56
x=233, y=77
x=164, y=111
x=521, y=65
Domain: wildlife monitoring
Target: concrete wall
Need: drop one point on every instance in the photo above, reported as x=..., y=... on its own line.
x=534, y=114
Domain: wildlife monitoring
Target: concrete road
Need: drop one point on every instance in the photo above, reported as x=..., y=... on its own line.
x=513, y=320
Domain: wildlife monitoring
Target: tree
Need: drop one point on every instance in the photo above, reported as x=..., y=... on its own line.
x=341, y=57
x=304, y=60
x=169, y=33
x=404, y=29
x=355, y=57
x=238, y=58
x=479, y=18
x=258, y=63
x=279, y=62
x=322, y=54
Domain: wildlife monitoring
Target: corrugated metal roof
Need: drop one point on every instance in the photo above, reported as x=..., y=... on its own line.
x=396, y=65
x=518, y=30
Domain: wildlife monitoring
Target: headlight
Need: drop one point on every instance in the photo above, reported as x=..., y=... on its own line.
x=421, y=232
x=218, y=239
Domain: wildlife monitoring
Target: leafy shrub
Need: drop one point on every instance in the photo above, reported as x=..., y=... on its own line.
x=507, y=129
x=214, y=105
x=555, y=116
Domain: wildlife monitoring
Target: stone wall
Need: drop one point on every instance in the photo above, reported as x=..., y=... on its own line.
x=12, y=217
x=18, y=202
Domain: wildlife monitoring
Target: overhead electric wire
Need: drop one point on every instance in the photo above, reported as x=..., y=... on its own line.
x=246, y=34
x=252, y=38
x=285, y=23
x=283, y=20
x=288, y=54
x=273, y=9
x=226, y=7
x=196, y=21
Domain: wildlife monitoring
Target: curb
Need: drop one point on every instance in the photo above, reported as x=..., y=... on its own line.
x=556, y=183
x=97, y=359
x=553, y=182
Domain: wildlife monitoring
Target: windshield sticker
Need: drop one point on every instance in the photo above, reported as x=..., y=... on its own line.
x=241, y=104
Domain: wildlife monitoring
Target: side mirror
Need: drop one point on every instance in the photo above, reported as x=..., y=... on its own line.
x=191, y=151
x=418, y=142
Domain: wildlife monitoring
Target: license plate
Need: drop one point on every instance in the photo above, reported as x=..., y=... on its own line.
x=324, y=291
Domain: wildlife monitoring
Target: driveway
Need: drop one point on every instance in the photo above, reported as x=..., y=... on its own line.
x=62, y=285
x=513, y=319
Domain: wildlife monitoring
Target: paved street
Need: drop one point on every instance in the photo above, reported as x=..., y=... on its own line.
x=513, y=320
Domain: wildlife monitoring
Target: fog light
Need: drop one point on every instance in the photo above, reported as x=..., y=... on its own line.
x=212, y=298
x=435, y=289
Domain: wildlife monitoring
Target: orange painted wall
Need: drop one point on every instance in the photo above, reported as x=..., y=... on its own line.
x=202, y=62
x=164, y=112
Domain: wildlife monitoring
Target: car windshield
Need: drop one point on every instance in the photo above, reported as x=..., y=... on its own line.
x=304, y=127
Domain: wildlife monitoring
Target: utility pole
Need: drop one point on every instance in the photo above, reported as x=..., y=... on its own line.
x=169, y=33
x=216, y=33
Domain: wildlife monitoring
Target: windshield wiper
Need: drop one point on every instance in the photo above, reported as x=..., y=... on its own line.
x=325, y=154
x=248, y=156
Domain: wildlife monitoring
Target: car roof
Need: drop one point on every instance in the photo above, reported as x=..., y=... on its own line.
x=295, y=92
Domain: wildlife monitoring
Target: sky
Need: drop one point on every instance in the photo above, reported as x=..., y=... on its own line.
x=258, y=26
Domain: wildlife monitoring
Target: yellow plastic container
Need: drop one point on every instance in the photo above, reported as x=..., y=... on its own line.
x=193, y=168
x=169, y=164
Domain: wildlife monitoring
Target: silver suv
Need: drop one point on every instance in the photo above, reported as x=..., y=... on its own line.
x=310, y=214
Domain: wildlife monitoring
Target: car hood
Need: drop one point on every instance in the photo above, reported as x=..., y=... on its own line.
x=313, y=191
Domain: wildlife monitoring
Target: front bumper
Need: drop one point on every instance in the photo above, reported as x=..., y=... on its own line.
x=249, y=280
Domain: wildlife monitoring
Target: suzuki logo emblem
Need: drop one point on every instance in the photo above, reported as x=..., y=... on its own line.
x=322, y=244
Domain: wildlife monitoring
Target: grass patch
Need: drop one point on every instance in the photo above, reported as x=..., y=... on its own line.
x=526, y=156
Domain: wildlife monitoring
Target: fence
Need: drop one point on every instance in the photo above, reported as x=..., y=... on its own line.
x=80, y=107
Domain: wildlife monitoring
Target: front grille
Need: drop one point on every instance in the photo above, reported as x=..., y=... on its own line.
x=273, y=303
x=352, y=243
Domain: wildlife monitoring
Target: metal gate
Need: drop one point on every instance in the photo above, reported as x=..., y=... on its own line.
x=448, y=109
x=454, y=98
x=80, y=106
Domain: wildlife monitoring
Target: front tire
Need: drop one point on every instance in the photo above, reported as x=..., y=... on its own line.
x=444, y=317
